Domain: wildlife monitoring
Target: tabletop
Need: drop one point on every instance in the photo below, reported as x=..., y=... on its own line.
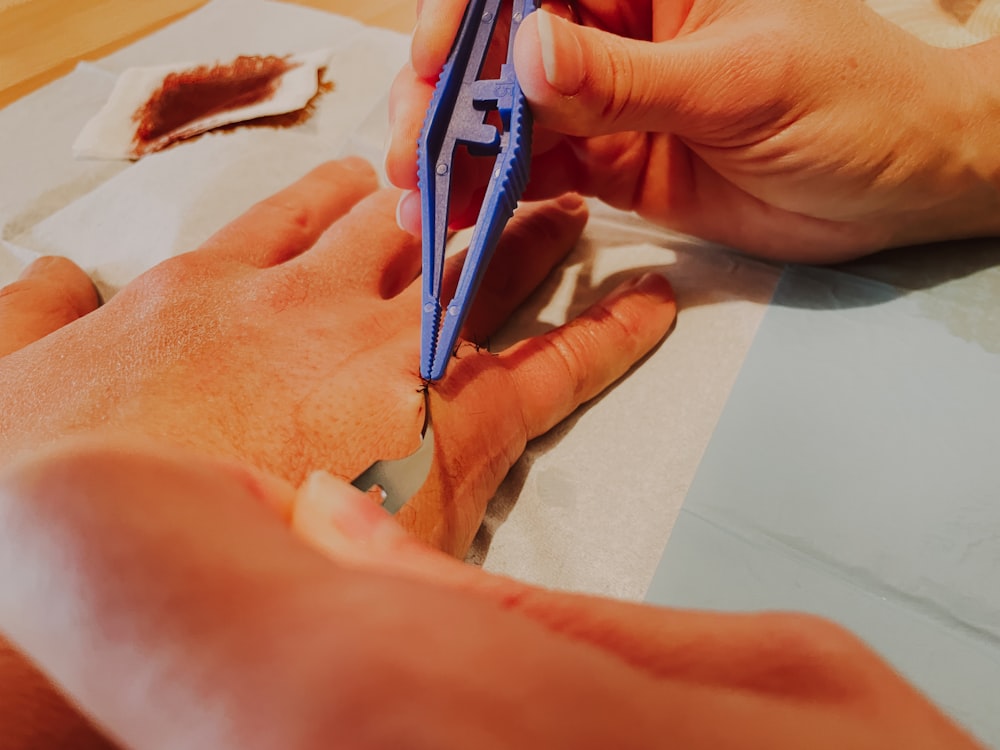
x=41, y=40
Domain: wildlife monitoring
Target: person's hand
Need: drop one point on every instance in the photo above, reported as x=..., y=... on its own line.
x=290, y=340
x=794, y=129
x=168, y=598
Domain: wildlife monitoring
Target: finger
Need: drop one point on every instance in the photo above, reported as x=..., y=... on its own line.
x=538, y=236
x=603, y=166
x=436, y=29
x=468, y=188
x=289, y=222
x=535, y=240
x=409, y=98
x=583, y=81
x=366, y=250
x=33, y=714
x=221, y=606
x=563, y=8
x=793, y=655
x=212, y=575
x=408, y=101
x=468, y=175
x=557, y=371
x=408, y=212
x=50, y=293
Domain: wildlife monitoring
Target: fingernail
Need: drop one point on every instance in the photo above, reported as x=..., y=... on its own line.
x=406, y=211
x=562, y=55
x=330, y=511
x=654, y=284
x=399, y=212
x=570, y=202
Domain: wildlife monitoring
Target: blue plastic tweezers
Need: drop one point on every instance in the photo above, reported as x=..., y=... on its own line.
x=457, y=116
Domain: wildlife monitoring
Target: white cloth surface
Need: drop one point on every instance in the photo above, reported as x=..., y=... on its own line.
x=591, y=505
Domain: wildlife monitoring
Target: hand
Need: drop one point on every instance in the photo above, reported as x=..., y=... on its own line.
x=227, y=630
x=290, y=340
x=794, y=129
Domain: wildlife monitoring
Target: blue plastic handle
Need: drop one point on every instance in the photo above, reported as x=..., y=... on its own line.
x=457, y=116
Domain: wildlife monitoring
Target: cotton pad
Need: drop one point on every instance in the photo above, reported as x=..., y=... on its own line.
x=153, y=107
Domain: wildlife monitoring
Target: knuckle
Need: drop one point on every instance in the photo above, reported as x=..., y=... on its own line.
x=614, y=322
x=179, y=276
x=569, y=352
x=625, y=321
x=544, y=225
x=292, y=217
x=621, y=75
x=167, y=276
x=285, y=288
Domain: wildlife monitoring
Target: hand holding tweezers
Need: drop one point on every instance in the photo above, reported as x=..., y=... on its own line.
x=457, y=116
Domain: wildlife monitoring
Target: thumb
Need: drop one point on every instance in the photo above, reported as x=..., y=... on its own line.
x=587, y=82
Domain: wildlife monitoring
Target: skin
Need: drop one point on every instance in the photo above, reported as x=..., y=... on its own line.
x=374, y=640
x=792, y=129
x=289, y=342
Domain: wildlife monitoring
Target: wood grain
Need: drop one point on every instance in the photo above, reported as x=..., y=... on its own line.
x=41, y=40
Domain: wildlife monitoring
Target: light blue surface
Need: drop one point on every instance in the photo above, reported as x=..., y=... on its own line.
x=855, y=473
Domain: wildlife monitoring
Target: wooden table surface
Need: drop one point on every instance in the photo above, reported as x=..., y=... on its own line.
x=41, y=40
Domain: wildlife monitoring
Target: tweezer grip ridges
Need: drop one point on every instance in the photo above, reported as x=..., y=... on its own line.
x=457, y=115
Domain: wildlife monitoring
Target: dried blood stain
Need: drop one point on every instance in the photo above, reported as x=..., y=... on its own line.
x=289, y=119
x=188, y=96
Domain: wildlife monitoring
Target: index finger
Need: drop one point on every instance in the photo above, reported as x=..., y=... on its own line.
x=290, y=221
x=437, y=26
x=798, y=656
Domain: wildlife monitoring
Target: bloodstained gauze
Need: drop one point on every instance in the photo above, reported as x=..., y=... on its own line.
x=189, y=96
